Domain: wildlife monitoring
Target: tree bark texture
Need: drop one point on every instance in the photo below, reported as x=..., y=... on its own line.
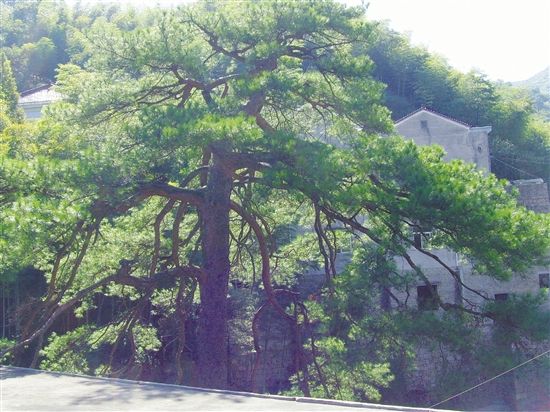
x=212, y=331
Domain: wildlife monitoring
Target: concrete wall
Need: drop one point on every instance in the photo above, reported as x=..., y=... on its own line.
x=519, y=284
x=459, y=141
x=32, y=111
x=451, y=291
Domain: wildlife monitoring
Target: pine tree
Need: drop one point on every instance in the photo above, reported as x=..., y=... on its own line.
x=8, y=89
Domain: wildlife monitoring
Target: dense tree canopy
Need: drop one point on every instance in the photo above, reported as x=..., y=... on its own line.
x=186, y=146
x=8, y=93
x=39, y=35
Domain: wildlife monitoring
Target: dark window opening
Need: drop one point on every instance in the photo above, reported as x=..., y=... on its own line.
x=417, y=239
x=421, y=237
x=500, y=297
x=427, y=297
x=544, y=280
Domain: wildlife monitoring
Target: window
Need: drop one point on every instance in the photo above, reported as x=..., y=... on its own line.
x=421, y=237
x=417, y=239
x=500, y=297
x=544, y=280
x=427, y=297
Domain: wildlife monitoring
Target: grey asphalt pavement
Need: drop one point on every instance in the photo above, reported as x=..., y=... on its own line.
x=31, y=390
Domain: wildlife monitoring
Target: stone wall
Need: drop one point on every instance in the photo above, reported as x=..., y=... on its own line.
x=532, y=386
x=526, y=388
x=533, y=194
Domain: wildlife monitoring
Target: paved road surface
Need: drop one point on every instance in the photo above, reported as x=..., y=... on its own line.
x=30, y=390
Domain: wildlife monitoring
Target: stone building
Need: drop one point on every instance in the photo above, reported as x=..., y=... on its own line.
x=530, y=387
x=533, y=194
x=526, y=389
x=470, y=144
x=458, y=139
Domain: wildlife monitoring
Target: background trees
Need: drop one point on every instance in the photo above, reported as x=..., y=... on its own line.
x=37, y=36
x=8, y=94
x=189, y=144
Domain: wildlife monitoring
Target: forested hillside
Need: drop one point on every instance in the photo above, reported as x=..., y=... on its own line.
x=180, y=215
x=539, y=81
x=37, y=36
x=539, y=88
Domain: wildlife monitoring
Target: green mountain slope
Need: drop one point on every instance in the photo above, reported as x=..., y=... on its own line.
x=539, y=89
x=540, y=81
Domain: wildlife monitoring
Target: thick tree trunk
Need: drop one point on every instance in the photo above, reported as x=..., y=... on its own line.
x=212, y=326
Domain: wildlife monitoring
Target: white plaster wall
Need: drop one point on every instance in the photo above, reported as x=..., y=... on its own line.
x=458, y=141
x=32, y=111
x=518, y=284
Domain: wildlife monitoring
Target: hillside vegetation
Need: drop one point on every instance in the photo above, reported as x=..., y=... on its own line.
x=539, y=81
x=37, y=36
x=177, y=217
x=539, y=88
